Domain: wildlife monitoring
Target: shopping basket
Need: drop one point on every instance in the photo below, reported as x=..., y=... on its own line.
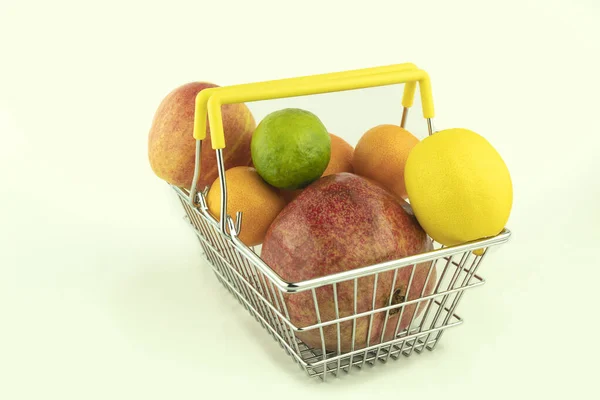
x=263, y=293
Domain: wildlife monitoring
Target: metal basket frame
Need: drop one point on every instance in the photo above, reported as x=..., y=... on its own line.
x=262, y=292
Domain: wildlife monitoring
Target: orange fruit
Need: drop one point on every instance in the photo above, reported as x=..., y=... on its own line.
x=249, y=193
x=341, y=156
x=340, y=161
x=381, y=155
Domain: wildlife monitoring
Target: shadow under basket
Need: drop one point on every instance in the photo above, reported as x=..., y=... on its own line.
x=263, y=294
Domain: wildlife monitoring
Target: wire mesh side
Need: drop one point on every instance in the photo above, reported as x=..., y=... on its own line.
x=253, y=289
x=405, y=311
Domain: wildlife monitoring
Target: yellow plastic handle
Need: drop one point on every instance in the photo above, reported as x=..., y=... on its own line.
x=210, y=100
x=409, y=91
x=204, y=95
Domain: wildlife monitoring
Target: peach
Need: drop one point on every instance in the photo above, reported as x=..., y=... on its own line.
x=172, y=147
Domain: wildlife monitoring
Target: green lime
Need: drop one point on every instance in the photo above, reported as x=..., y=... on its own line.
x=290, y=148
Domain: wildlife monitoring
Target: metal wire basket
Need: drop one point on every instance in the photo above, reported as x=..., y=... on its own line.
x=265, y=294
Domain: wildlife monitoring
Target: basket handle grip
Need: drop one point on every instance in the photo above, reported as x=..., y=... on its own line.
x=210, y=100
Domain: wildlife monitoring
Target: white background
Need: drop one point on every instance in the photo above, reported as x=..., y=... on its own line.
x=103, y=293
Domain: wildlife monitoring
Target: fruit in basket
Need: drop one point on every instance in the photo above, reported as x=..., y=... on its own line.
x=248, y=193
x=339, y=223
x=459, y=186
x=341, y=156
x=172, y=148
x=340, y=161
x=290, y=148
x=381, y=155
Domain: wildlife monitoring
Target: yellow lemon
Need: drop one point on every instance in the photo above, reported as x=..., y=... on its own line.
x=458, y=186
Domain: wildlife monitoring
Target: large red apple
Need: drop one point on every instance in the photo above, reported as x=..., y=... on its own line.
x=338, y=223
x=172, y=147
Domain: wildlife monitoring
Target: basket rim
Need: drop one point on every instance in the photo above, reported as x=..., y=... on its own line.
x=308, y=284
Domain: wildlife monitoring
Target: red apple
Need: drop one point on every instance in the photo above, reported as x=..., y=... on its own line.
x=172, y=147
x=338, y=223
